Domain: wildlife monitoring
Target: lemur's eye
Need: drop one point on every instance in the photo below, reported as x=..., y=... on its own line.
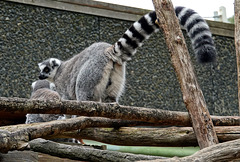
x=46, y=70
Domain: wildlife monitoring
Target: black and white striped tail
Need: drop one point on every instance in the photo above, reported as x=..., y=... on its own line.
x=199, y=33
x=142, y=29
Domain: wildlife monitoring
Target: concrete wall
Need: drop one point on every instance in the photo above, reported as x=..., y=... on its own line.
x=61, y=29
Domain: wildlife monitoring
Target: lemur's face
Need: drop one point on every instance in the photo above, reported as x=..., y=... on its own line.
x=48, y=68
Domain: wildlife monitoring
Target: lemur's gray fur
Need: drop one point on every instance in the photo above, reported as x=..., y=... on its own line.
x=98, y=72
x=43, y=90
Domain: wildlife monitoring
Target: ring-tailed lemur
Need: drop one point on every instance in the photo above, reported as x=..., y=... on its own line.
x=98, y=72
x=43, y=90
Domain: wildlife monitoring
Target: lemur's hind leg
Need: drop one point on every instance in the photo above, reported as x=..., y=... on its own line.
x=100, y=89
x=92, y=80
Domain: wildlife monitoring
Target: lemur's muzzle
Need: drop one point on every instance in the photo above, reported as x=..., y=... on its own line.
x=41, y=77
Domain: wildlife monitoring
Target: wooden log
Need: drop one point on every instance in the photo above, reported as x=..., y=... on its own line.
x=86, y=108
x=23, y=106
x=82, y=153
x=15, y=137
x=163, y=137
x=237, y=43
x=192, y=94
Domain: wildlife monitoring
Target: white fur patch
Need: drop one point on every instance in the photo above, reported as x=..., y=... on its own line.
x=57, y=61
x=138, y=27
x=151, y=22
x=117, y=49
x=41, y=67
x=123, y=41
x=182, y=13
x=33, y=84
x=52, y=86
x=149, y=19
x=191, y=19
x=198, y=25
x=199, y=35
x=124, y=44
x=129, y=34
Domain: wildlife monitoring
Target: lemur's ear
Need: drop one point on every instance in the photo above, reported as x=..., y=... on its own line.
x=39, y=64
x=55, y=62
x=33, y=84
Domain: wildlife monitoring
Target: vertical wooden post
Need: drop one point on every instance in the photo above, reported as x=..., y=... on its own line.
x=192, y=94
x=237, y=44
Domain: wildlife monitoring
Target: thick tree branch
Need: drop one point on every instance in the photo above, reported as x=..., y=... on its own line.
x=170, y=137
x=114, y=111
x=192, y=93
x=83, y=153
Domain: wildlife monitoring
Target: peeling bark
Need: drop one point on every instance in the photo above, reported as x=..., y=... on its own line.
x=82, y=153
x=192, y=93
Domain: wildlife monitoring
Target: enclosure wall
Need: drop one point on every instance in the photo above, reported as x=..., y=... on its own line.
x=32, y=33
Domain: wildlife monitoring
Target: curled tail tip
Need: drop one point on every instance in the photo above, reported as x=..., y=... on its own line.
x=206, y=54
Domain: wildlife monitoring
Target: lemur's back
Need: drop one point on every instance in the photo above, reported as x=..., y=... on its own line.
x=69, y=71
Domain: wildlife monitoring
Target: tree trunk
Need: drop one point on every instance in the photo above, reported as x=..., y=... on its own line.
x=83, y=153
x=163, y=137
x=159, y=117
x=192, y=94
x=237, y=43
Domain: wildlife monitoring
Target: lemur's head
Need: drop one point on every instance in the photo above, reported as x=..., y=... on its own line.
x=48, y=68
x=39, y=84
